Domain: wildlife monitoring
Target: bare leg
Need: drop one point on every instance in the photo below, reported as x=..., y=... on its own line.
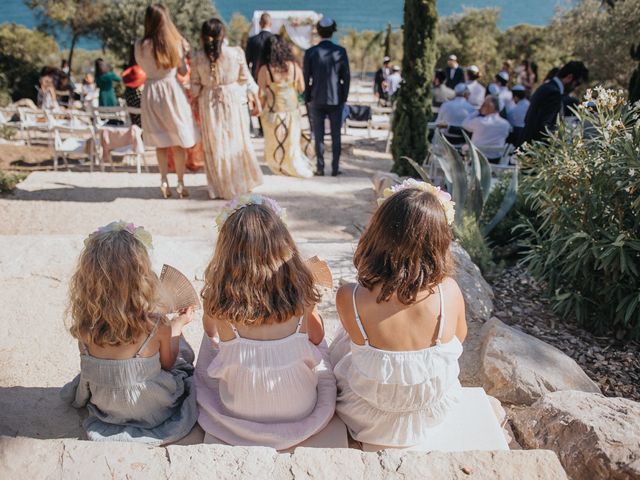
x=163, y=163
x=179, y=157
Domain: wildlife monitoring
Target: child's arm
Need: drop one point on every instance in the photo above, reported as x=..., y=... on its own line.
x=169, y=336
x=315, y=326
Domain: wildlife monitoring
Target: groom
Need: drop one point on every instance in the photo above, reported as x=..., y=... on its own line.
x=326, y=77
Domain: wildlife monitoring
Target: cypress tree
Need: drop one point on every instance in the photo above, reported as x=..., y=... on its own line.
x=413, y=107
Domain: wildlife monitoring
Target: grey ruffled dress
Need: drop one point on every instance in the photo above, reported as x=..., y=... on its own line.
x=135, y=400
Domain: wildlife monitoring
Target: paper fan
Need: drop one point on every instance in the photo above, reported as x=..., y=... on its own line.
x=321, y=272
x=176, y=291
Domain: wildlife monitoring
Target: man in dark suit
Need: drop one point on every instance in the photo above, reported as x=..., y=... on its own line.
x=455, y=74
x=546, y=102
x=256, y=44
x=326, y=77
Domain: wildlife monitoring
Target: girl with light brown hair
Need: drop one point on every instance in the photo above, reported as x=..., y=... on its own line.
x=267, y=381
x=396, y=360
x=135, y=367
x=167, y=120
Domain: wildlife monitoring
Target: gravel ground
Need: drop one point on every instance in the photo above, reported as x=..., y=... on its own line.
x=613, y=364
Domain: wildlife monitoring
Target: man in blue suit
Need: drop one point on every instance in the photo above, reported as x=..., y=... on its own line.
x=327, y=77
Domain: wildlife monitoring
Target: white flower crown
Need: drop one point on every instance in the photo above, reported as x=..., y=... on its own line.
x=249, y=199
x=138, y=232
x=444, y=197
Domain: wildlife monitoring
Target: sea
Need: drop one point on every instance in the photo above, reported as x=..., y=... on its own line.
x=358, y=14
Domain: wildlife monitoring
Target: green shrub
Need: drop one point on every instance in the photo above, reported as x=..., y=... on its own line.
x=9, y=180
x=584, y=186
x=469, y=236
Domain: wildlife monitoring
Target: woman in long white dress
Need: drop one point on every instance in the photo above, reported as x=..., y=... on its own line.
x=281, y=80
x=167, y=121
x=219, y=77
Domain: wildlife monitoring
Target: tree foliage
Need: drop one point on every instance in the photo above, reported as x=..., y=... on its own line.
x=76, y=18
x=23, y=52
x=413, y=108
x=238, y=30
x=367, y=48
x=123, y=22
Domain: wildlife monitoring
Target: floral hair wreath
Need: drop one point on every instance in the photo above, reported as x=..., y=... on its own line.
x=249, y=199
x=444, y=197
x=142, y=235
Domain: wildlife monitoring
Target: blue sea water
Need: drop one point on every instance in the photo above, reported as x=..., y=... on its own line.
x=359, y=14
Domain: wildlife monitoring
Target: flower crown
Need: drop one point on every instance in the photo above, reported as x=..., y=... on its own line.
x=444, y=197
x=249, y=199
x=139, y=233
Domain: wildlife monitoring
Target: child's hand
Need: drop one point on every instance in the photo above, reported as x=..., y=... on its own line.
x=184, y=317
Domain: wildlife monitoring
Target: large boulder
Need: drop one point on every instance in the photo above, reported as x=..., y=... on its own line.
x=595, y=437
x=517, y=368
x=61, y=459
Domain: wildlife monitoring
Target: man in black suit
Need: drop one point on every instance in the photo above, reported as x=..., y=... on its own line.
x=256, y=45
x=546, y=102
x=455, y=74
x=326, y=77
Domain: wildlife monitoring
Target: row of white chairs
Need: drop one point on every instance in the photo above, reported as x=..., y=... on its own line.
x=74, y=132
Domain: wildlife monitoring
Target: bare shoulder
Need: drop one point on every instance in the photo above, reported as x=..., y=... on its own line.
x=451, y=287
x=344, y=295
x=164, y=330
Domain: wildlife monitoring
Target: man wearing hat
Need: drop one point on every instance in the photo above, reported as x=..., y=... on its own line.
x=326, y=78
x=500, y=89
x=393, y=81
x=516, y=112
x=476, y=91
x=453, y=113
x=380, y=81
x=455, y=75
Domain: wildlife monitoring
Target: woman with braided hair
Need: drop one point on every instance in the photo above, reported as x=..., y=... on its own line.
x=219, y=77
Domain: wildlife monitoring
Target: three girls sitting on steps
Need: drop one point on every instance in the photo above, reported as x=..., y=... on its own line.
x=264, y=374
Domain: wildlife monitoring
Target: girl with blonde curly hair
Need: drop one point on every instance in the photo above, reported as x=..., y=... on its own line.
x=135, y=368
x=267, y=380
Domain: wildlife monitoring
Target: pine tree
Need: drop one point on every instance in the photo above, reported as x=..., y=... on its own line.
x=413, y=108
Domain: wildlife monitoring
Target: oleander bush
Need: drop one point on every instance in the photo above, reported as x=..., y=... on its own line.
x=583, y=186
x=9, y=180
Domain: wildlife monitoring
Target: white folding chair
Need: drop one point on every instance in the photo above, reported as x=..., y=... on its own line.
x=102, y=115
x=128, y=152
x=35, y=120
x=74, y=145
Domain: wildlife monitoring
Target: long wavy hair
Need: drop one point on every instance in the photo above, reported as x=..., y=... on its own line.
x=406, y=247
x=164, y=37
x=256, y=276
x=113, y=291
x=212, y=35
x=278, y=54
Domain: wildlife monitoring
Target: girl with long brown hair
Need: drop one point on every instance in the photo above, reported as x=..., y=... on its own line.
x=267, y=381
x=396, y=361
x=219, y=79
x=167, y=121
x=135, y=367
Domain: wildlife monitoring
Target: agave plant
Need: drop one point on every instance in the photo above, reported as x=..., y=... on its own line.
x=469, y=186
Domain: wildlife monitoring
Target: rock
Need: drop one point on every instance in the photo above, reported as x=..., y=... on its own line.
x=517, y=368
x=595, y=437
x=478, y=299
x=58, y=459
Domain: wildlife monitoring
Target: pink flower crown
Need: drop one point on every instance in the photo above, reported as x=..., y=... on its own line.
x=139, y=233
x=444, y=197
x=249, y=199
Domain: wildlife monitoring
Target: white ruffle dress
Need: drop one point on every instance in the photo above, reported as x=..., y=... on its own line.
x=393, y=398
x=274, y=393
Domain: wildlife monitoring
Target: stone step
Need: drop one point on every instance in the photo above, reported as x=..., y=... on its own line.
x=62, y=459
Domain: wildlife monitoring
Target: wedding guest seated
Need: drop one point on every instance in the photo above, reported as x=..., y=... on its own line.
x=500, y=88
x=396, y=359
x=476, y=90
x=489, y=130
x=135, y=368
x=516, y=113
x=89, y=92
x=440, y=92
x=452, y=114
x=394, y=81
x=268, y=380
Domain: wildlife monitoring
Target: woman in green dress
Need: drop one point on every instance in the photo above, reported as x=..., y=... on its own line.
x=104, y=81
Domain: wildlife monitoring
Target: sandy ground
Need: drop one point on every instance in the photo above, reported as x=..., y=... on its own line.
x=43, y=224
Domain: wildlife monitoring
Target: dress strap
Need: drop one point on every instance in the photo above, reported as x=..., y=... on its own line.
x=149, y=337
x=270, y=74
x=355, y=310
x=299, y=324
x=85, y=349
x=440, y=316
x=294, y=72
x=235, y=330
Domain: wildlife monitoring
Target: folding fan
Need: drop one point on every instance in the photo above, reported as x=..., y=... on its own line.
x=321, y=272
x=177, y=293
